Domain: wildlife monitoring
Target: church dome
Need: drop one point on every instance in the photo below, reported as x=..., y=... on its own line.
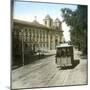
x=57, y=20
x=47, y=17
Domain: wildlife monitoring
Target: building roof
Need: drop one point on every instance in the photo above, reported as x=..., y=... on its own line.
x=32, y=24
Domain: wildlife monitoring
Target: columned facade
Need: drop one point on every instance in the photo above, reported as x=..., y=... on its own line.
x=35, y=36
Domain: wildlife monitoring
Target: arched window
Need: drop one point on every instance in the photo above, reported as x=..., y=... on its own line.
x=45, y=22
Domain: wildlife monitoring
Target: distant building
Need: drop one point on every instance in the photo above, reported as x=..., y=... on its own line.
x=35, y=36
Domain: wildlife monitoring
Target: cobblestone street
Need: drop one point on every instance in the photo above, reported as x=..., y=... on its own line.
x=44, y=73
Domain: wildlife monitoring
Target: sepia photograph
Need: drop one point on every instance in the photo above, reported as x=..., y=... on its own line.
x=49, y=44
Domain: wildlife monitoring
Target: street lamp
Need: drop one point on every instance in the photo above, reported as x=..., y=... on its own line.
x=22, y=47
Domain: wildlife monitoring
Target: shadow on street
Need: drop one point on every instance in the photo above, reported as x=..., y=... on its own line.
x=28, y=59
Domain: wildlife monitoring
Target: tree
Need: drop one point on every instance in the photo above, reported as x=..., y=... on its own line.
x=77, y=20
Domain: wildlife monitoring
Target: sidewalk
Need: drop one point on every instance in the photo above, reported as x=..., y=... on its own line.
x=51, y=52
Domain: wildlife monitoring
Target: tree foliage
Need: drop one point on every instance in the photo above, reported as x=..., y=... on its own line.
x=77, y=20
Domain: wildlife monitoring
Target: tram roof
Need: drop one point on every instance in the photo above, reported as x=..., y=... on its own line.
x=64, y=45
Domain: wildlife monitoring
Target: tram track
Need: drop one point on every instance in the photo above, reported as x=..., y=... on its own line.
x=45, y=73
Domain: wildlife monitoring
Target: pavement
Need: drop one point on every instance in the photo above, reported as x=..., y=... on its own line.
x=44, y=73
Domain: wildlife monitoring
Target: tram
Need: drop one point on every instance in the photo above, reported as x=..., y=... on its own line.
x=64, y=55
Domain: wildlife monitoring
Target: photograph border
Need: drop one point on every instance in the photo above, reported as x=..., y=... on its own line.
x=11, y=13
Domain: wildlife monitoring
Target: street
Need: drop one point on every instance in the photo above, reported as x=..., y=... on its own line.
x=44, y=73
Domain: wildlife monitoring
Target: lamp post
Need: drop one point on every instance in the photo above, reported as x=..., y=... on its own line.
x=22, y=48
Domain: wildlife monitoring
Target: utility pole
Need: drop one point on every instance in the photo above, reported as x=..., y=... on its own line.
x=22, y=47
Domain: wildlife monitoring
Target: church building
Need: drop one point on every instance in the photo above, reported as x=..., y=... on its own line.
x=33, y=36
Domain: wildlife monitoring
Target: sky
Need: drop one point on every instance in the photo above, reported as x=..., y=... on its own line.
x=27, y=11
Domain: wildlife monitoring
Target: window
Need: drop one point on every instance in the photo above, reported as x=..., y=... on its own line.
x=45, y=22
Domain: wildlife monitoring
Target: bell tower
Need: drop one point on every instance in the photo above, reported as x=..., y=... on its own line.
x=48, y=21
x=57, y=23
